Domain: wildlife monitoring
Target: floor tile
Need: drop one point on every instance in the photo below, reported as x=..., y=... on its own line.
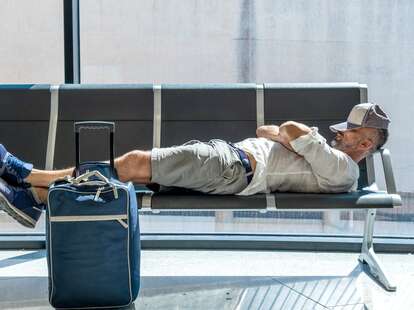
x=22, y=292
x=275, y=297
x=328, y=291
x=350, y=307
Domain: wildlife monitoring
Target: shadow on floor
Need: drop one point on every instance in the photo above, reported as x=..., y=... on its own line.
x=19, y=259
x=208, y=293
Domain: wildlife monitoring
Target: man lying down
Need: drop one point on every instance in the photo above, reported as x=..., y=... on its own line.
x=289, y=157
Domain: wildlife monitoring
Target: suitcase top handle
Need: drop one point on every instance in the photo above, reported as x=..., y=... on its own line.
x=85, y=177
x=94, y=125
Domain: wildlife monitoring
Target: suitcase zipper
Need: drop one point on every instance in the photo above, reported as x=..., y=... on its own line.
x=98, y=192
x=91, y=218
x=101, y=190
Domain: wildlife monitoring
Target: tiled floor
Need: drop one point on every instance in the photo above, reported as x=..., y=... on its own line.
x=231, y=280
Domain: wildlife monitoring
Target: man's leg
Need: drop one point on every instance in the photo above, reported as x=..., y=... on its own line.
x=23, y=190
x=42, y=178
x=133, y=166
x=41, y=193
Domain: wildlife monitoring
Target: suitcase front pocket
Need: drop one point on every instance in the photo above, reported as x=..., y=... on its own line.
x=90, y=260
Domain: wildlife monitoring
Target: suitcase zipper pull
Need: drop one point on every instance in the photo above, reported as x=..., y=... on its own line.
x=98, y=192
x=115, y=192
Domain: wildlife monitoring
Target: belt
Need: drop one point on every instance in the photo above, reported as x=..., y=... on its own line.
x=245, y=161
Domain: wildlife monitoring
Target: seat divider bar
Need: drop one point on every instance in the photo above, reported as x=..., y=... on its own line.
x=146, y=202
x=271, y=202
x=53, y=119
x=363, y=93
x=388, y=173
x=157, y=116
x=260, y=104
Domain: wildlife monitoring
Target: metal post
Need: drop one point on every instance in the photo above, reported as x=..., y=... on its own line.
x=368, y=255
x=72, y=41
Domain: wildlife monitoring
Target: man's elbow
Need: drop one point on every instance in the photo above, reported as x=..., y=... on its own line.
x=293, y=130
x=259, y=131
x=267, y=131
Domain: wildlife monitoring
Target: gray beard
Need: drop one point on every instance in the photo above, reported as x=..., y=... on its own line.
x=336, y=145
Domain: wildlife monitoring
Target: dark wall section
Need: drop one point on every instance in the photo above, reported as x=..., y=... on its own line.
x=24, y=121
x=129, y=106
x=207, y=111
x=310, y=102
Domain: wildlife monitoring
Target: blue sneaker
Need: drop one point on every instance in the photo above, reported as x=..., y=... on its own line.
x=12, y=169
x=21, y=204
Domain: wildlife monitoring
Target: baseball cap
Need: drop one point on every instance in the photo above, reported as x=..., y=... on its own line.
x=364, y=115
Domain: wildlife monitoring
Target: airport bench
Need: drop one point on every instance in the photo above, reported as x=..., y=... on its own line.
x=41, y=117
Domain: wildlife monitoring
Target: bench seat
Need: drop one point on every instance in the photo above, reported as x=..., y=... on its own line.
x=190, y=200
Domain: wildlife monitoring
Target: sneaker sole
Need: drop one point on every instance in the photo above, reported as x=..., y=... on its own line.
x=15, y=213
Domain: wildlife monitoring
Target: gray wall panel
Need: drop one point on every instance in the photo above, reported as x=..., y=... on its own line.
x=32, y=47
x=175, y=133
x=209, y=102
x=106, y=102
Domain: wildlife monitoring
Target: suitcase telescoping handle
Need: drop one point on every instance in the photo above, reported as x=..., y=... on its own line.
x=94, y=125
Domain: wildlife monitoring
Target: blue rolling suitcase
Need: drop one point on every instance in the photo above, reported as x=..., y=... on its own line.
x=92, y=235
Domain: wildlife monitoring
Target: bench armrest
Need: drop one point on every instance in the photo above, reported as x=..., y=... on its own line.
x=388, y=173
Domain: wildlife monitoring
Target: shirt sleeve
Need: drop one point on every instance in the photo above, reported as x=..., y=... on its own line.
x=333, y=169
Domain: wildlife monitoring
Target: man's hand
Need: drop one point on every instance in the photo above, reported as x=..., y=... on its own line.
x=287, y=132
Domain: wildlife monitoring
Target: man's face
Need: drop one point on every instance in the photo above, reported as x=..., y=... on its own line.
x=348, y=140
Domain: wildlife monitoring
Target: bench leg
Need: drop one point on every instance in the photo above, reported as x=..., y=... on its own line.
x=368, y=255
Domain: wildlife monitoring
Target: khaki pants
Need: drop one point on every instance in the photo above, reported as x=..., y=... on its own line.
x=209, y=167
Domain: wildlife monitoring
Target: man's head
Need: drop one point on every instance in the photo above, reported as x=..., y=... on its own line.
x=364, y=132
